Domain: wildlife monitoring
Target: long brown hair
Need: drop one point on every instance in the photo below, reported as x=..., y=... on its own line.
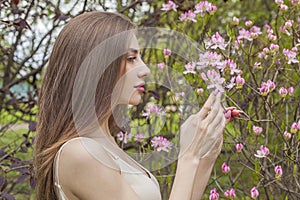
x=55, y=116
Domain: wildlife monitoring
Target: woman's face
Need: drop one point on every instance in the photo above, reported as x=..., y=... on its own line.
x=132, y=81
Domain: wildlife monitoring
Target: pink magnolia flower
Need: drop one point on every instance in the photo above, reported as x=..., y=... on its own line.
x=248, y=23
x=263, y=152
x=232, y=83
x=188, y=16
x=255, y=31
x=290, y=56
x=287, y=135
x=124, y=136
x=239, y=147
x=279, y=2
x=283, y=92
x=230, y=193
x=239, y=82
x=231, y=113
x=225, y=168
x=167, y=52
x=214, y=78
x=285, y=30
x=271, y=85
x=214, y=194
x=151, y=108
x=257, y=130
x=205, y=6
x=283, y=7
x=140, y=137
x=294, y=127
x=278, y=171
x=235, y=21
x=217, y=41
x=274, y=47
x=161, y=65
x=169, y=6
x=244, y=34
x=229, y=65
x=254, y=193
x=264, y=89
x=161, y=144
x=291, y=91
x=208, y=59
x=289, y=23
x=190, y=68
x=200, y=90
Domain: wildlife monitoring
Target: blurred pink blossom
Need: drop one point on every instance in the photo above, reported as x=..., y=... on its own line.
x=124, y=136
x=235, y=21
x=244, y=34
x=214, y=78
x=190, y=68
x=254, y=193
x=188, y=16
x=217, y=41
x=205, y=6
x=161, y=65
x=290, y=56
x=230, y=193
x=140, y=137
x=291, y=91
x=257, y=130
x=248, y=23
x=200, y=90
x=239, y=147
x=255, y=31
x=225, y=168
x=287, y=135
x=283, y=92
x=208, y=59
x=283, y=7
x=294, y=127
x=239, y=82
x=167, y=52
x=169, y=6
x=263, y=152
x=161, y=144
x=214, y=194
x=278, y=171
x=279, y=2
x=229, y=66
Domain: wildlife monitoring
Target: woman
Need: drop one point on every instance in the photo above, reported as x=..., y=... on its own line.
x=76, y=161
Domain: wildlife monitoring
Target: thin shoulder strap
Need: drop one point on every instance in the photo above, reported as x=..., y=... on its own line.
x=56, y=174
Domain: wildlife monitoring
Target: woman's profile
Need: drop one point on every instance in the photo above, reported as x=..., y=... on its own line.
x=72, y=160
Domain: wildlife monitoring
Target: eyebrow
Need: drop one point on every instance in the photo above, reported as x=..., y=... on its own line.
x=133, y=50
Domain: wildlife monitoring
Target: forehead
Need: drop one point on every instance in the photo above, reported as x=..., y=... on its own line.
x=133, y=42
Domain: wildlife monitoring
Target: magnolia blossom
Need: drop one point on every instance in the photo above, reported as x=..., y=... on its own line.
x=205, y=6
x=291, y=91
x=229, y=65
x=124, y=137
x=244, y=34
x=248, y=23
x=283, y=7
x=208, y=59
x=225, y=168
x=214, y=78
x=287, y=135
x=169, y=6
x=140, y=137
x=190, y=68
x=279, y=2
x=200, y=90
x=294, y=127
x=231, y=113
x=230, y=193
x=274, y=47
x=161, y=144
x=161, y=65
x=239, y=147
x=290, y=56
x=263, y=152
x=255, y=31
x=214, y=194
x=289, y=23
x=151, y=108
x=217, y=41
x=235, y=21
x=257, y=130
x=254, y=193
x=278, y=171
x=283, y=92
x=188, y=16
x=167, y=52
x=239, y=82
x=267, y=87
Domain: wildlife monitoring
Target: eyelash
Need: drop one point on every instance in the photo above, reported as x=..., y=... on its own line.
x=131, y=58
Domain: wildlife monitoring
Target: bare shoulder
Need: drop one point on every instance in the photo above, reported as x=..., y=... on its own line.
x=87, y=171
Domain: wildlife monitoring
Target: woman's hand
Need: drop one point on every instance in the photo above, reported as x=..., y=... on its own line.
x=201, y=134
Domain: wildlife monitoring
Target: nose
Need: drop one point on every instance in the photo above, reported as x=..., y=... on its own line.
x=144, y=71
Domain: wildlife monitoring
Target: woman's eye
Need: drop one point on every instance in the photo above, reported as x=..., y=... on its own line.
x=131, y=58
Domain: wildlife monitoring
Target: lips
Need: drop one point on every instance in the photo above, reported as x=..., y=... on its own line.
x=140, y=87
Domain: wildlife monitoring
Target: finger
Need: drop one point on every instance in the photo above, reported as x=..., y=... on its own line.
x=206, y=107
x=215, y=109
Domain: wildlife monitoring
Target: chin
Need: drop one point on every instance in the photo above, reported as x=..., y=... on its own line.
x=135, y=100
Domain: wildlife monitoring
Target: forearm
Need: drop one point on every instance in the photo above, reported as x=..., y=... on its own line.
x=191, y=179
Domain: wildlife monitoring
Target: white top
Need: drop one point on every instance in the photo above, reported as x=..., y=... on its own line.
x=142, y=185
